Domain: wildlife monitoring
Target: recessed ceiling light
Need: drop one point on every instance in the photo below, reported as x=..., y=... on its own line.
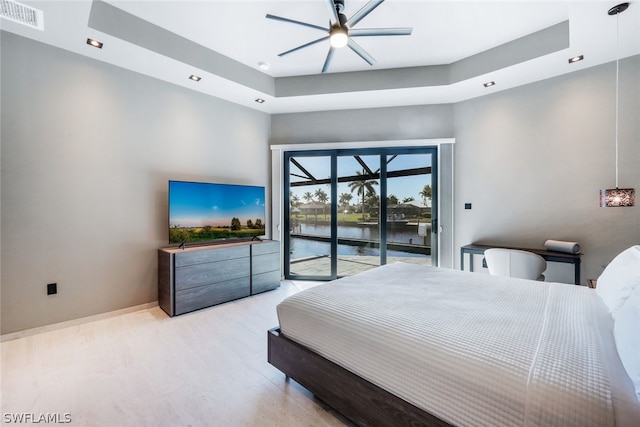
x=576, y=59
x=264, y=65
x=260, y=100
x=94, y=43
x=489, y=84
x=195, y=78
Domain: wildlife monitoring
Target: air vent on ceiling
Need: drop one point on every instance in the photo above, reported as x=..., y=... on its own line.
x=22, y=14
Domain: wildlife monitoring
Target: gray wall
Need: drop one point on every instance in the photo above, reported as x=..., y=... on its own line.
x=375, y=124
x=531, y=160
x=87, y=150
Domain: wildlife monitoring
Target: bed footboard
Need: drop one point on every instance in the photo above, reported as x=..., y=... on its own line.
x=354, y=397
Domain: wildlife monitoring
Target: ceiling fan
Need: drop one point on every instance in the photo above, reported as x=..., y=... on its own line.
x=341, y=32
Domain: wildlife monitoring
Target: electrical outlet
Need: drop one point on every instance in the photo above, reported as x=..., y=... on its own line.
x=52, y=288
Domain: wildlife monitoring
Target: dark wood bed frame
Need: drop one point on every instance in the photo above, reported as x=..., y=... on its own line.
x=352, y=396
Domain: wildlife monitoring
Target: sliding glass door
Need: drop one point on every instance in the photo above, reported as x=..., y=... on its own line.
x=347, y=211
x=410, y=202
x=358, y=226
x=309, y=217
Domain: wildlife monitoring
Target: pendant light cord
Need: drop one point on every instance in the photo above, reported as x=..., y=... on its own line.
x=617, y=91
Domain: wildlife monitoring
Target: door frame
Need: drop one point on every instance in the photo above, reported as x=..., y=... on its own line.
x=446, y=181
x=334, y=154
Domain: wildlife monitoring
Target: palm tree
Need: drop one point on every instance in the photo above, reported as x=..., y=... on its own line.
x=294, y=200
x=307, y=196
x=322, y=198
x=425, y=194
x=363, y=187
x=345, y=198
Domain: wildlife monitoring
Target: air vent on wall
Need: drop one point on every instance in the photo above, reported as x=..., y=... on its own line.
x=22, y=14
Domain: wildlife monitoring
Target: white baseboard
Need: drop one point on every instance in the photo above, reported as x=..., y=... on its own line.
x=75, y=322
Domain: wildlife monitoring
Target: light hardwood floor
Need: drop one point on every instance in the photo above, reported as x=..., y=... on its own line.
x=206, y=368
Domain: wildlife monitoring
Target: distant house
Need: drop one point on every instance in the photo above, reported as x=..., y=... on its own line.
x=409, y=209
x=312, y=208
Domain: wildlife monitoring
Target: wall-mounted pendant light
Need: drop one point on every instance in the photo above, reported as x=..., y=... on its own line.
x=617, y=197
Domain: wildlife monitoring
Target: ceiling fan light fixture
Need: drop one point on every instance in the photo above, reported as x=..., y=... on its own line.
x=338, y=37
x=341, y=29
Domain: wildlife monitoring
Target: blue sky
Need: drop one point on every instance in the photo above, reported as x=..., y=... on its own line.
x=194, y=204
x=403, y=187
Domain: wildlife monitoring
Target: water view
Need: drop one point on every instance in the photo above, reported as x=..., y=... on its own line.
x=304, y=247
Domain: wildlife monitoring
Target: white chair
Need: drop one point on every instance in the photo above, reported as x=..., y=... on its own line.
x=515, y=263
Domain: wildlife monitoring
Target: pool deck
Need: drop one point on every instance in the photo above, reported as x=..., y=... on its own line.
x=347, y=265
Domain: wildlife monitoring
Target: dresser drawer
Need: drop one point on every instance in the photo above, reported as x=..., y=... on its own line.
x=211, y=255
x=205, y=274
x=208, y=295
x=263, y=248
x=265, y=263
x=265, y=281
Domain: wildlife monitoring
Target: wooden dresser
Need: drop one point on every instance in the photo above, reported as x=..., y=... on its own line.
x=201, y=276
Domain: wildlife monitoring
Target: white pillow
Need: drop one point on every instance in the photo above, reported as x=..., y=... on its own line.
x=619, y=279
x=626, y=330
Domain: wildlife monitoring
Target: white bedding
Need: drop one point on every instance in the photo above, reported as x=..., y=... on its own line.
x=470, y=348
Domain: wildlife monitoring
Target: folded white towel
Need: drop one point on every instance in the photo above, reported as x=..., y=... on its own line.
x=562, y=246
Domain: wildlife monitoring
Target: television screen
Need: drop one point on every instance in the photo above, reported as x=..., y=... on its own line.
x=200, y=212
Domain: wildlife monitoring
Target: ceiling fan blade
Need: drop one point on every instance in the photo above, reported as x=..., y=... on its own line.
x=328, y=60
x=361, y=52
x=304, y=45
x=362, y=32
x=293, y=21
x=334, y=12
x=366, y=9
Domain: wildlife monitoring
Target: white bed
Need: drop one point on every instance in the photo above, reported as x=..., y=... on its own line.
x=468, y=348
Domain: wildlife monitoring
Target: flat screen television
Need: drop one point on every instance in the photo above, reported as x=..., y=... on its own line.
x=204, y=212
